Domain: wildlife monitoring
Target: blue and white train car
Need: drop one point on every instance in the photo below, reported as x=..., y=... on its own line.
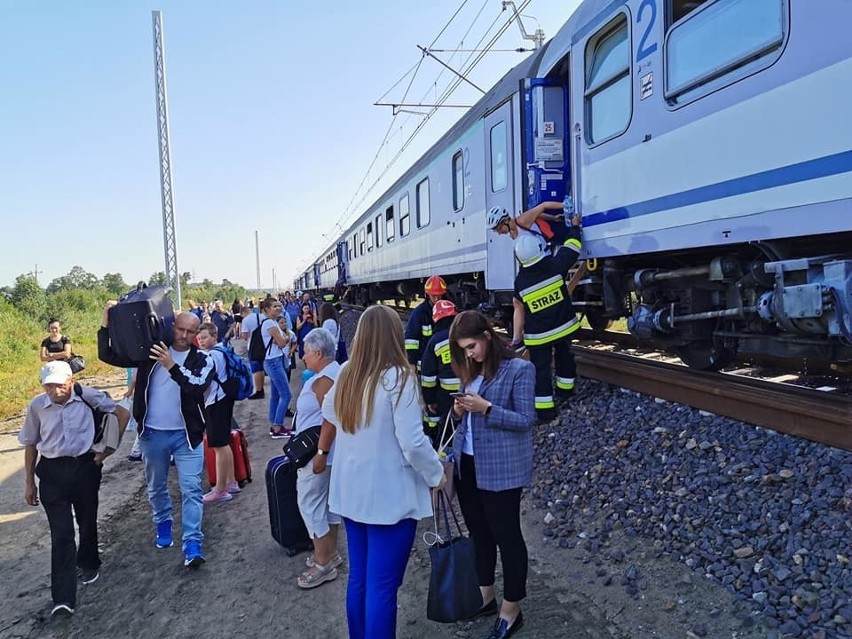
x=707, y=148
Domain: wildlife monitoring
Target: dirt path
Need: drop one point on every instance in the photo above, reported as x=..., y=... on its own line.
x=248, y=587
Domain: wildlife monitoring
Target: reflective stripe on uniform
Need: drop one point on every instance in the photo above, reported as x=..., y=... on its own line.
x=574, y=243
x=431, y=422
x=563, y=330
x=450, y=383
x=565, y=383
x=544, y=402
x=426, y=330
x=442, y=351
x=429, y=382
x=412, y=344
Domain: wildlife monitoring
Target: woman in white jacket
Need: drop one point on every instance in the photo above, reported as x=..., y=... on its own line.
x=383, y=468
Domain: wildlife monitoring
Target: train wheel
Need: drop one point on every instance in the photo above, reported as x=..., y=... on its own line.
x=705, y=355
x=597, y=322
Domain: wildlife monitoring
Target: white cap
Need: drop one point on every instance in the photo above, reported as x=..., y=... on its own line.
x=55, y=373
x=528, y=249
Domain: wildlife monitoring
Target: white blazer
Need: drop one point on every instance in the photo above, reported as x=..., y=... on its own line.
x=382, y=472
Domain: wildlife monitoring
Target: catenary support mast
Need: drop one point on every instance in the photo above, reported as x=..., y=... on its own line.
x=169, y=239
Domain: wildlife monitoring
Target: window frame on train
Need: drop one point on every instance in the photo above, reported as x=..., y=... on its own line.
x=596, y=86
x=390, y=230
x=502, y=166
x=404, y=216
x=377, y=225
x=458, y=180
x=369, y=236
x=750, y=60
x=362, y=241
x=423, y=212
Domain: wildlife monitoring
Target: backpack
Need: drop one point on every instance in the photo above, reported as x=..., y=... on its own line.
x=257, y=350
x=238, y=383
x=108, y=427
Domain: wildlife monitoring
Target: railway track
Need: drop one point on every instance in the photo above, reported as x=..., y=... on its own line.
x=818, y=415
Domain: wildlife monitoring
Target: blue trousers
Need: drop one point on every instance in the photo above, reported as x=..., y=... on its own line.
x=280, y=386
x=378, y=556
x=157, y=446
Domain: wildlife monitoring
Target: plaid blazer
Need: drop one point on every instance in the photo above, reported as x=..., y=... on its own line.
x=502, y=442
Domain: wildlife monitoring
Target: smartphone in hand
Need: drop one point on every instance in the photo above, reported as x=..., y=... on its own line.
x=460, y=394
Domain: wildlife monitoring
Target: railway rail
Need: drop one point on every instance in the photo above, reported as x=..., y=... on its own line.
x=818, y=415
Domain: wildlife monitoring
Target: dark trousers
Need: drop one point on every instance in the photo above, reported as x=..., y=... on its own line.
x=494, y=521
x=66, y=483
x=559, y=353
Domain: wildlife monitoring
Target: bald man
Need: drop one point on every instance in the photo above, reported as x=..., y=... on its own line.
x=168, y=405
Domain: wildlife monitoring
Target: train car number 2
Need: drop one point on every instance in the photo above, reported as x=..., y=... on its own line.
x=645, y=49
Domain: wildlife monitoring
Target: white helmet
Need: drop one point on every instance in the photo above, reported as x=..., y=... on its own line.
x=496, y=215
x=529, y=249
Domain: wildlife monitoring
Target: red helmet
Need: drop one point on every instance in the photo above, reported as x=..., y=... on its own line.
x=435, y=285
x=442, y=309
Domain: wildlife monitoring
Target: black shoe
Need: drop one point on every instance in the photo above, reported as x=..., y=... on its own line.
x=486, y=611
x=546, y=415
x=88, y=575
x=258, y=395
x=502, y=629
x=62, y=610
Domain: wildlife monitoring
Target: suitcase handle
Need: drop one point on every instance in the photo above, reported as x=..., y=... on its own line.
x=153, y=326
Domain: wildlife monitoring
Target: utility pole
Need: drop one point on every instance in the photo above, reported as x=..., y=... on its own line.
x=167, y=196
x=36, y=272
x=257, y=259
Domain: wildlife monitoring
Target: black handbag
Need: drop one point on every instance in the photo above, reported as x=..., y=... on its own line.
x=301, y=448
x=454, y=593
x=77, y=363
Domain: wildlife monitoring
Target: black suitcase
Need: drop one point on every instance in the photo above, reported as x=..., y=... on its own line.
x=288, y=528
x=141, y=318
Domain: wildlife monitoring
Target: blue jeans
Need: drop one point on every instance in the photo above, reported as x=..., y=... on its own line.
x=378, y=556
x=157, y=446
x=280, y=386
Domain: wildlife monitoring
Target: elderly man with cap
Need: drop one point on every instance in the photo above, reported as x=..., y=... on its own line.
x=57, y=436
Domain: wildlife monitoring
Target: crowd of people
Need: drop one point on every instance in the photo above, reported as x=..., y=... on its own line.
x=448, y=377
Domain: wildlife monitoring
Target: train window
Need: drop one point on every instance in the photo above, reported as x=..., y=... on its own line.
x=458, y=181
x=355, y=244
x=424, y=214
x=361, y=250
x=370, y=236
x=499, y=169
x=608, y=97
x=719, y=38
x=680, y=8
x=389, y=228
x=378, y=231
x=404, y=220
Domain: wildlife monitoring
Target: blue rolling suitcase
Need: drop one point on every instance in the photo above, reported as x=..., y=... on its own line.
x=142, y=318
x=288, y=528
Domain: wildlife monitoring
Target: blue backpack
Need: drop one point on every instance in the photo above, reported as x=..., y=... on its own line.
x=238, y=383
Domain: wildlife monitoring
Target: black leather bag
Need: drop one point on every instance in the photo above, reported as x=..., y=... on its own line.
x=301, y=448
x=77, y=363
x=454, y=593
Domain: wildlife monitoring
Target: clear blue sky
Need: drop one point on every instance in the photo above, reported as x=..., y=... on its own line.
x=271, y=117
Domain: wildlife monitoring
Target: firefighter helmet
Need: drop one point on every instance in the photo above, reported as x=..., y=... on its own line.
x=435, y=285
x=442, y=309
x=496, y=215
x=529, y=249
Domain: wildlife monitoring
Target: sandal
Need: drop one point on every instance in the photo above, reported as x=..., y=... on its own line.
x=336, y=560
x=317, y=576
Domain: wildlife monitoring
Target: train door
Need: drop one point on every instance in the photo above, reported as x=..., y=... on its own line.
x=499, y=191
x=546, y=140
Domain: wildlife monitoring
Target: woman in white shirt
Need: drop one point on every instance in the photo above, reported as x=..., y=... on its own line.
x=383, y=468
x=276, y=364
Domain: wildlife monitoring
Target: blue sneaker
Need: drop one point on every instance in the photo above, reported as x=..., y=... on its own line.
x=164, y=534
x=192, y=556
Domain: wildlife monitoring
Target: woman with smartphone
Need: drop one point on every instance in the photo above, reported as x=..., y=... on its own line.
x=493, y=452
x=304, y=325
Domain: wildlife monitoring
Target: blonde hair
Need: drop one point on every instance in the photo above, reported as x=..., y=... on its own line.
x=379, y=345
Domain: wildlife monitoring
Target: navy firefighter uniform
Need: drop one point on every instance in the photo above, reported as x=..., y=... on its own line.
x=420, y=327
x=436, y=376
x=549, y=318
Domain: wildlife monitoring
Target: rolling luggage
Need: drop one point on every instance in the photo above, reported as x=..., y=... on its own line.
x=142, y=318
x=288, y=528
x=242, y=463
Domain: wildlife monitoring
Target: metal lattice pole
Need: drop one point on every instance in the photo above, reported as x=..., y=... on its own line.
x=169, y=239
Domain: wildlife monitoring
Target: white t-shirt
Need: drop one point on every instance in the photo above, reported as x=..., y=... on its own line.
x=331, y=326
x=467, y=445
x=163, y=412
x=214, y=392
x=248, y=324
x=272, y=349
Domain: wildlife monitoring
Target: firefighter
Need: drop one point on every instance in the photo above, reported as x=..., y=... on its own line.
x=418, y=331
x=549, y=320
x=437, y=377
